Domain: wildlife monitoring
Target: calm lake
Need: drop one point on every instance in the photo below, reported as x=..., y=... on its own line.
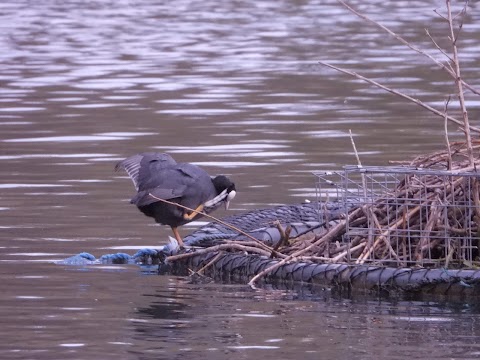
x=233, y=86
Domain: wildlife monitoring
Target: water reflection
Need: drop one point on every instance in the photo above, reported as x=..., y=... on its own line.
x=283, y=323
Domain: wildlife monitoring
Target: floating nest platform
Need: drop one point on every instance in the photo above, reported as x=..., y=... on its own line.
x=345, y=278
x=406, y=227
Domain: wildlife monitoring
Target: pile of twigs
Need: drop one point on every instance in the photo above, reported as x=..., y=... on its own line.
x=418, y=206
x=420, y=219
x=411, y=223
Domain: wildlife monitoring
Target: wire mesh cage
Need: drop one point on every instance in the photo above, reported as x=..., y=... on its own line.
x=410, y=216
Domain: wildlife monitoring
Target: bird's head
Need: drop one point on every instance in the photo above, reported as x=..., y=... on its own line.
x=225, y=190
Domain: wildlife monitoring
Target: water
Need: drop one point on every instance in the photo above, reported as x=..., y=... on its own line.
x=112, y=313
x=234, y=87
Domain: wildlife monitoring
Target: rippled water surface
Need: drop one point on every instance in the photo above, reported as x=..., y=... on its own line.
x=232, y=86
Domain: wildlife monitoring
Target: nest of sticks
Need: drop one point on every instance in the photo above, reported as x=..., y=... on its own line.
x=426, y=220
x=413, y=225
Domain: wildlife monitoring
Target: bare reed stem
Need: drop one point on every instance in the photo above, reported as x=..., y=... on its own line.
x=398, y=93
x=447, y=142
x=458, y=82
x=445, y=67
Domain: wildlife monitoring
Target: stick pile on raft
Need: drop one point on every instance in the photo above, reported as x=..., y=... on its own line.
x=382, y=241
x=449, y=206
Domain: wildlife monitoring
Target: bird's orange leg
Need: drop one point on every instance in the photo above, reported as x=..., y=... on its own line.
x=177, y=236
x=192, y=215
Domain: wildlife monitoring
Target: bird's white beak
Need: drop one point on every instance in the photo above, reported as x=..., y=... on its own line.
x=230, y=197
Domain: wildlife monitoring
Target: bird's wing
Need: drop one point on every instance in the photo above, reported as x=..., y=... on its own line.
x=192, y=171
x=143, y=198
x=140, y=165
x=168, y=194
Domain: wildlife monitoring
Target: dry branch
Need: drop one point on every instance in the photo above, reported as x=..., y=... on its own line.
x=230, y=246
x=458, y=82
x=398, y=93
x=447, y=67
x=328, y=237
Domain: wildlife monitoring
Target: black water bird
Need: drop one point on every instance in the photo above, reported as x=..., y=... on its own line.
x=158, y=176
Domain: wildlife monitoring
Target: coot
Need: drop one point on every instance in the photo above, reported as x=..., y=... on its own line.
x=158, y=174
